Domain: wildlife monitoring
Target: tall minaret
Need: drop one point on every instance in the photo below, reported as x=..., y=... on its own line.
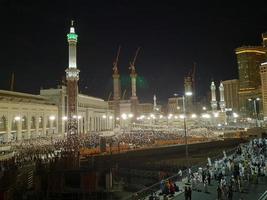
x=133, y=75
x=116, y=86
x=155, y=102
x=116, y=79
x=222, y=102
x=213, y=96
x=72, y=76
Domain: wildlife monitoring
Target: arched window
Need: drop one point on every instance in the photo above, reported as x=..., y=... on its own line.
x=33, y=125
x=41, y=122
x=3, y=123
x=24, y=123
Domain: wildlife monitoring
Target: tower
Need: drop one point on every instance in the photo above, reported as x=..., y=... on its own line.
x=188, y=93
x=249, y=59
x=116, y=85
x=116, y=78
x=133, y=75
x=72, y=77
x=222, y=102
x=155, y=102
x=263, y=73
x=213, y=96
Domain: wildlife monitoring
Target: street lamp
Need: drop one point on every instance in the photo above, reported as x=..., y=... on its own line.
x=185, y=134
x=254, y=100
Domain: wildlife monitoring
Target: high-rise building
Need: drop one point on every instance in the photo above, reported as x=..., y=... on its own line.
x=249, y=59
x=263, y=73
x=231, y=89
x=264, y=40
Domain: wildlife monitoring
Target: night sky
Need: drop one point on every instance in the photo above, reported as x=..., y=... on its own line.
x=172, y=35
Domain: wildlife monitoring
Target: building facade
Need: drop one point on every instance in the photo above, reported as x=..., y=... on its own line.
x=231, y=89
x=249, y=59
x=263, y=73
x=175, y=105
x=26, y=116
x=93, y=113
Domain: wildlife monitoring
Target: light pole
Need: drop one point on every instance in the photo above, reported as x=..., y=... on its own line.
x=185, y=135
x=254, y=100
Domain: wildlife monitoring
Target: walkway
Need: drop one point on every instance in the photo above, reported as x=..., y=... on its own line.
x=252, y=192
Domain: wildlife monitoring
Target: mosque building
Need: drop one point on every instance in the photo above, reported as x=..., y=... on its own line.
x=26, y=116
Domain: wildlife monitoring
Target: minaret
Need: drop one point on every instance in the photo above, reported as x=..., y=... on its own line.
x=213, y=96
x=155, y=102
x=133, y=75
x=188, y=90
x=116, y=85
x=72, y=77
x=116, y=79
x=222, y=102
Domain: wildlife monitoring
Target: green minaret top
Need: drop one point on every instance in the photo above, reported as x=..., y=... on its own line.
x=72, y=36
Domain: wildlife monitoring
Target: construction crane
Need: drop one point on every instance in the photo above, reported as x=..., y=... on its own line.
x=132, y=63
x=109, y=96
x=115, y=63
x=123, y=96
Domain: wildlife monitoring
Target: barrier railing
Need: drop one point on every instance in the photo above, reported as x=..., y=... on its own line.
x=123, y=148
x=263, y=196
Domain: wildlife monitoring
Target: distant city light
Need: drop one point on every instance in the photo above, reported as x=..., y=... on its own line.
x=181, y=116
x=207, y=116
x=52, y=117
x=216, y=114
x=64, y=118
x=17, y=118
x=193, y=116
x=188, y=94
x=235, y=115
x=124, y=116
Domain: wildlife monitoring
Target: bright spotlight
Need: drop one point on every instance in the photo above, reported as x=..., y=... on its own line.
x=188, y=93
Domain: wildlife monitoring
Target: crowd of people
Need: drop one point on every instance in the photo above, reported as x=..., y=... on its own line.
x=233, y=173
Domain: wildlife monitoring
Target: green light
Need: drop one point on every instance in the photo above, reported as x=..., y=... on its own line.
x=142, y=83
x=72, y=36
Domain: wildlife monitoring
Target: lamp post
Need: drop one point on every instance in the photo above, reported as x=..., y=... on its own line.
x=185, y=134
x=254, y=100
